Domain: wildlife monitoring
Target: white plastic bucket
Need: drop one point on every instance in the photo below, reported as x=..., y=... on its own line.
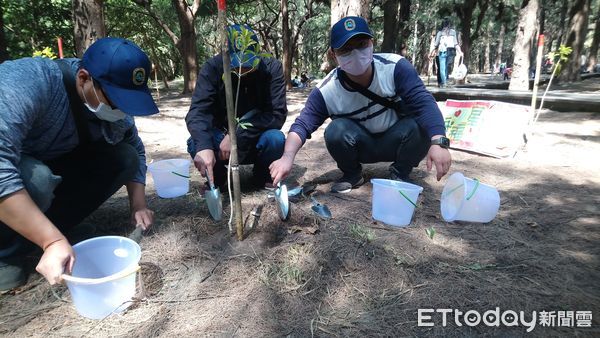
x=103, y=278
x=465, y=199
x=171, y=177
x=394, y=202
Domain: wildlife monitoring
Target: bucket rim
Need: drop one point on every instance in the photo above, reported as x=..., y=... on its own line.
x=180, y=162
x=463, y=199
x=408, y=186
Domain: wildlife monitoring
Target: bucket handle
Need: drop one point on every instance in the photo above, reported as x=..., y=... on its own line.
x=470, y=194
x=180, y=175
x=94, y=281
x=408, y=199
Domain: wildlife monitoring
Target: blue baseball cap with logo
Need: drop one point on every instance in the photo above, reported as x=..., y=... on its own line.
x=245, y=58
x=122, y=69
x=346, y=29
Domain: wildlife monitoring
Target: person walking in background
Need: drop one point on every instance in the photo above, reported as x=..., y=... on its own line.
x=446, y=43
x=68, y=143
x=261, y=107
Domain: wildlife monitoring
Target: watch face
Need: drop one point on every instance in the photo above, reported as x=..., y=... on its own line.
x=445, y=142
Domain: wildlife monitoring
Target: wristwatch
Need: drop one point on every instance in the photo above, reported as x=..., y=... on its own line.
x=443, y=142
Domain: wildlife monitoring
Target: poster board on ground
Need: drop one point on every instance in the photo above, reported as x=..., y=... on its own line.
x=490, y=128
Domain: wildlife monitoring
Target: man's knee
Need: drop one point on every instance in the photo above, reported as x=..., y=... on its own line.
x=126, y=160
x=341, y=131
x=39, y=181
x=271, y=140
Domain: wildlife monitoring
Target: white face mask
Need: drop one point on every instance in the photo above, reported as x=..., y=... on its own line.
x=104, y=111
x=357, y=61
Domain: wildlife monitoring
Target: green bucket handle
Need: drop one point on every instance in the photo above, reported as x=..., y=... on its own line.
x=408, y=199
x=180, y=175
x=470, y=195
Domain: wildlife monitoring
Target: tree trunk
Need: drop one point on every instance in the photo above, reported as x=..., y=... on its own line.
x=500, y=47
x=563, y=22
x=287, y=50
x=341, y=8
x=88, y=23
x=486, y=55
x=578, y=22
x=593, y=56
x=404, y=25
x=522, y=48
x=187, y=44
x=3, y=43
x=390, y=26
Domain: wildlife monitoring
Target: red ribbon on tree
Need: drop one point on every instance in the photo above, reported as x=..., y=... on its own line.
x=221, y=5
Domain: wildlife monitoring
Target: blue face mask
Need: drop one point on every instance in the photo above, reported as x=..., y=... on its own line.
x=103, y=111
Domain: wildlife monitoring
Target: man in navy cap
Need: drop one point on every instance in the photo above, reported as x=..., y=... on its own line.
x=380, y=111
x=261, y=109
x=68, y=142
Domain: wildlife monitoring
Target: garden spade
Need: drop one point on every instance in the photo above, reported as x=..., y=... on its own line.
x=213, y=200
x=283, y=203
x=320, y=209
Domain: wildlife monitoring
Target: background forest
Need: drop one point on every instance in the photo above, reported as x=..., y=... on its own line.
x=179, y=35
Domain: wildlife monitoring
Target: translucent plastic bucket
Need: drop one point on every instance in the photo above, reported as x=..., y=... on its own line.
x=465, y=199
x=394, y=202
x=171, y=177
x=103, y=278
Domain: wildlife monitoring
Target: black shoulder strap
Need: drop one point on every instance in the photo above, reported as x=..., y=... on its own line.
x=397, y=106
x=74, y=102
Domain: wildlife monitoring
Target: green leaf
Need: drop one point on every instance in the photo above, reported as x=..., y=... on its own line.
x=430, y=232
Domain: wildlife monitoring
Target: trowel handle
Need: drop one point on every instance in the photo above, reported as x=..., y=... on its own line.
x=210, y=183
x=136, y=235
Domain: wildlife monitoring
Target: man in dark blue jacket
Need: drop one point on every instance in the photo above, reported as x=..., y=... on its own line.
x=261, y=110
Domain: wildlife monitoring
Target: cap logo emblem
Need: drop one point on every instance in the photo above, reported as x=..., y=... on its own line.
x=239, y=43
x=350, y=25
x=139, y=74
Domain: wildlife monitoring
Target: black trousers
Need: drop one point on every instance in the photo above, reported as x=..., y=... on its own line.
x=350, y=144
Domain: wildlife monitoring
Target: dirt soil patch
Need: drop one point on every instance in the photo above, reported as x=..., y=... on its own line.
x=352, y=276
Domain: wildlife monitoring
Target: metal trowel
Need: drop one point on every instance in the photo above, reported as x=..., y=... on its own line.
x=282, y=201
x=213, y=200
x=320, y=209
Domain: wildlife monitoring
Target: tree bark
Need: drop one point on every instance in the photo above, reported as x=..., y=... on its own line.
x=464, y=11
x=563, y=22
x=593, y=56
x=287, y=47
x=578, y=21
x=88, y=23
x=390, y=26
x=500, y=46
x=522, y=48
x=404, y=25
x=486, y=55
x=3, y=43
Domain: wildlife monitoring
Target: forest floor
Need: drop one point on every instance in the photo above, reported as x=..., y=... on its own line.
x=351, y=275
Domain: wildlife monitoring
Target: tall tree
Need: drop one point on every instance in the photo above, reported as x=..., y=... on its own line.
x=500, y=46
x=287, y=47
x=88, y=23
x=186, y=42
x=465, y=11
x=3, y=43
x=593, y=56
x=522, y=48
x=390, y=26
x=578, y=23
x=341, y=8
x=404, y=24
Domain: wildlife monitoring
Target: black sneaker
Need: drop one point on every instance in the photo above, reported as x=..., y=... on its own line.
x=394, y=176
x=12, y=273
x=345, y=184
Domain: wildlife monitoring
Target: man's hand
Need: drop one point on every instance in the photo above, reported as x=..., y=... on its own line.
x=441, y=158
x=281, y=168
x=143, y=217
x=225, y=148
x=58, y=258
x=205, y=161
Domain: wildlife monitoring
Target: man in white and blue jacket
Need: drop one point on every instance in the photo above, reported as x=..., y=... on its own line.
x=68, y=142
x=362, y=130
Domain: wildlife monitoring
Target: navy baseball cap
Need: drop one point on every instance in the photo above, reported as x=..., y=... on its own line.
x=247, y=57
x=346, y=29
x=122, y=69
